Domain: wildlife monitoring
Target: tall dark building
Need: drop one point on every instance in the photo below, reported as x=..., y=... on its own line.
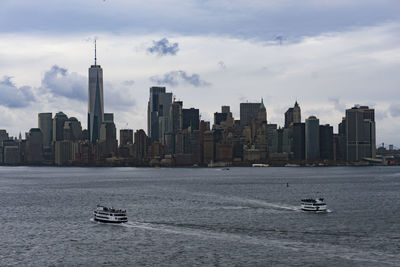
x=141, y=145
x=108, y=139
x=95, y=100
x=219, y=117
x=248, y=113
x=223, y=118
x=293, y=115
x=312, y=138
x=58, y=126
x=158, y=113
x=125, y=137
x=190, y=118
x=34, y=146
x=45, y=124
x=72, y=129
x=298, y=140
x=340, y=147
x=360, y=133
x=175, y=114
x=326, y=142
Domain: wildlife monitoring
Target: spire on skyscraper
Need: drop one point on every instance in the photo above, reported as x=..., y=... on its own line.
x=95, y=52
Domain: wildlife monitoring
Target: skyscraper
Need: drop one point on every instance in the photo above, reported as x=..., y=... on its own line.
x=360, y=133
x=95, y=100
x=58, y=126
x=262, y=112
x=34, y=147
x=298, y=140
x=45, y=124
x=312, y=138
x=293, y=115
x=158, y=113
x=190, y=118
x=248, y=112
x=175, y=114
x=125, y=137
x=326, y=141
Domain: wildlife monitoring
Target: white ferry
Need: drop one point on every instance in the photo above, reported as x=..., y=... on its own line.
x=109, y=215
x=315, y=205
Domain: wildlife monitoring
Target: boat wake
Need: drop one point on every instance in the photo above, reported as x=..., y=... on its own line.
x=253, y=202
x=325, y=249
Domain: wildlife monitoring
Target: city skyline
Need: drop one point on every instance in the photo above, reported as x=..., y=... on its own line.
x=327, y=68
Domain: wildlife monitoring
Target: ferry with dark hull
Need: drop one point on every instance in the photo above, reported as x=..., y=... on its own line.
x=313, y=205
x=109, y=215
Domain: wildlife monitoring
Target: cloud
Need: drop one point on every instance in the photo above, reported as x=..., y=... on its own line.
x=394, y=110
x=129, y=83
x=174, y=78
x=251, y=19
x=13, y=96
x=336, y=103
x=119, y=97
x=222, y=65
x=279, y=39
x=60, y=82
x=163, y=48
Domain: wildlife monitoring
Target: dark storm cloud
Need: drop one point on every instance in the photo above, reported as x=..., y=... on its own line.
x=243, y=19
x=14, y=97
x=163, y=48
x=174, y=78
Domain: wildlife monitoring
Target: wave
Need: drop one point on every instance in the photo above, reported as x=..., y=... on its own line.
x=324, y=249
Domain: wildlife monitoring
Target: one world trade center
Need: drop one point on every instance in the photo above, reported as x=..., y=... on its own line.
x=95, y=100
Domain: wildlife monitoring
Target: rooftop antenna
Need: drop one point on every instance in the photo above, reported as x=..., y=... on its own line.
x=95, y=52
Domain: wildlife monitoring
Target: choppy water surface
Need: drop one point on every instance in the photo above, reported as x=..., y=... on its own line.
x=213, y=217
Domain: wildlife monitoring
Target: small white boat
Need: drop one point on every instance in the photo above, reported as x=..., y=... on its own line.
x=109, y=215
x=259, y=165
x=315, y=205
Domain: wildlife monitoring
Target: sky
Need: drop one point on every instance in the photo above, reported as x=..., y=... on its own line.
x=326, y=54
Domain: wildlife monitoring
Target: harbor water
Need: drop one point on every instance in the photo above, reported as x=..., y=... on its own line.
x=200, y=216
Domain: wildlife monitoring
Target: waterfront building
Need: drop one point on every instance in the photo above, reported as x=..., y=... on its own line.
x=72, y=129
x=65, y=152
x=58, y=126
x=248, y=113
x=262, y=112
x=95, y=100
x=208, y=148
x=3, y=135
x=326, y=143
x=298, y=140
x=293, y=115
x=158, y=113
x=45, y=124
x=11, y=154
x=190, y=118
x=34, y=146
x=175, y=114
x=125, y=137
x=141, y=145
x=360, y=133
x=108, y=139
x=312, y=138
x=219, y=117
